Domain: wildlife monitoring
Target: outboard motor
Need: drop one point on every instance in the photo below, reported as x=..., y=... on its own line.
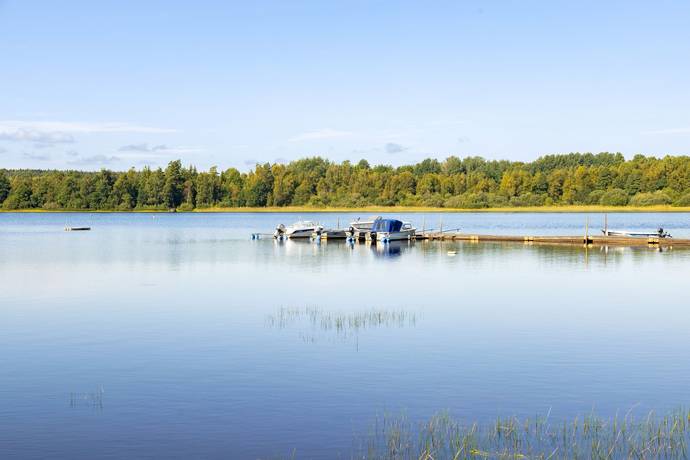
x=280, y=231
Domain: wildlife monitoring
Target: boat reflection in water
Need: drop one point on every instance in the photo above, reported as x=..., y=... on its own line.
x=392, y=249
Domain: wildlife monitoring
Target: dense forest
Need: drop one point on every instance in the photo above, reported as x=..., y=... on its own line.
x=571, y=179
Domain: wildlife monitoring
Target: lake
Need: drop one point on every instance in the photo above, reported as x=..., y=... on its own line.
x=176, y=335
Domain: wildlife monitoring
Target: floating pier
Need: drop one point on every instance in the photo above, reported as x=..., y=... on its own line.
x=593, y=240
x=586, y=240
x=334, y=234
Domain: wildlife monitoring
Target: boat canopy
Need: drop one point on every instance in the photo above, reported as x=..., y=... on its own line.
x=387, y=225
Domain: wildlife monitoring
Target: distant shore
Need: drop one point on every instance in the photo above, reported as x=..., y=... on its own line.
x=385, y=209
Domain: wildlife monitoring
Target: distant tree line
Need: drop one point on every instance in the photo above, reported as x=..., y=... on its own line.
x=473, y=182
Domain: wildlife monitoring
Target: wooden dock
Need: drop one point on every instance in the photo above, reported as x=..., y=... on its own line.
x=593, y=240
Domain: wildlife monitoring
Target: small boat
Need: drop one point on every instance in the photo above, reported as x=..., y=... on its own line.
x=301, y=229
x=660, y=233
x=77, y=229
x=359, y=228
x=385, y=230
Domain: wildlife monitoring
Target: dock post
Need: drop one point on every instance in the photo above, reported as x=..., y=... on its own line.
x=606, y=224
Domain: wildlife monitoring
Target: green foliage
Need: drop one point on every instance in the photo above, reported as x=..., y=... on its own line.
x=174, y=183
x=472, y=182
x=614, y=197
x=4, y=186
x=650, y=199
x=683, y=200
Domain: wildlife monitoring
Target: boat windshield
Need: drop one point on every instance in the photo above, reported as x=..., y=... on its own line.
x=387, y=225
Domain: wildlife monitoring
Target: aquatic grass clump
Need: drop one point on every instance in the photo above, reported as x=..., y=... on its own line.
x=589, y=437
x=312, y=320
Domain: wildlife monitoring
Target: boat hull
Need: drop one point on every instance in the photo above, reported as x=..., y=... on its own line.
x=385, y=237
x=305, y=233
x=634, y=234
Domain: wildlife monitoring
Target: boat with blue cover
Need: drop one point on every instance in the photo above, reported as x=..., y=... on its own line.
x=385, y=230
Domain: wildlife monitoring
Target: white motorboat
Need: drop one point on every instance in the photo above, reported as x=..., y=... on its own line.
x=359, y=228
x=385, y=230
x=660, y=233
x=301, y=229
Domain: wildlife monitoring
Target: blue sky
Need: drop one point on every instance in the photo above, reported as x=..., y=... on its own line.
x=86, y=85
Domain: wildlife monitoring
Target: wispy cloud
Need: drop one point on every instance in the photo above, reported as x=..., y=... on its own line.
x=326, y=133
x=159, y=149
x=95, y=160
x=40, y=138
x=45, y=134
x=35, y=156
x=463, y=140
x=669, y=131
x=392, y=147
x=2, y=150
x=79, y=127
x=140, y=148
x=72, y=153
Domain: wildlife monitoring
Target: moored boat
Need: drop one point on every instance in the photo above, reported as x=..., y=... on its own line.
x=301, y=229
x=385, y=230
x=660, y=233
x=359, y=228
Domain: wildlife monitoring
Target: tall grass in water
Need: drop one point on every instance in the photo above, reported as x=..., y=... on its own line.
x=589, y=437
x=344, y=325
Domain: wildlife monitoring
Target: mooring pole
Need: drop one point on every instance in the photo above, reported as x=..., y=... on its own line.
x=606, y=224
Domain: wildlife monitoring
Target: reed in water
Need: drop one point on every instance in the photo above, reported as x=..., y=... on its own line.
x=443, y=437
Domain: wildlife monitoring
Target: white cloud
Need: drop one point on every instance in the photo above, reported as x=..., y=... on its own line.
x=392, y=147
x=159, y=149
x=669, y=131
x=326, y=133
x=49, y=133
x=36, y=157
x=41, y=138
x=134, y=148
x=79, y=127
x=95, y=160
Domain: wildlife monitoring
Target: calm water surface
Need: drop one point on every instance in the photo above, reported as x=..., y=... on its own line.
x=178, y=336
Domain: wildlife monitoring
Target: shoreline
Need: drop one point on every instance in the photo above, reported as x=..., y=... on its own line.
x=380, y=209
